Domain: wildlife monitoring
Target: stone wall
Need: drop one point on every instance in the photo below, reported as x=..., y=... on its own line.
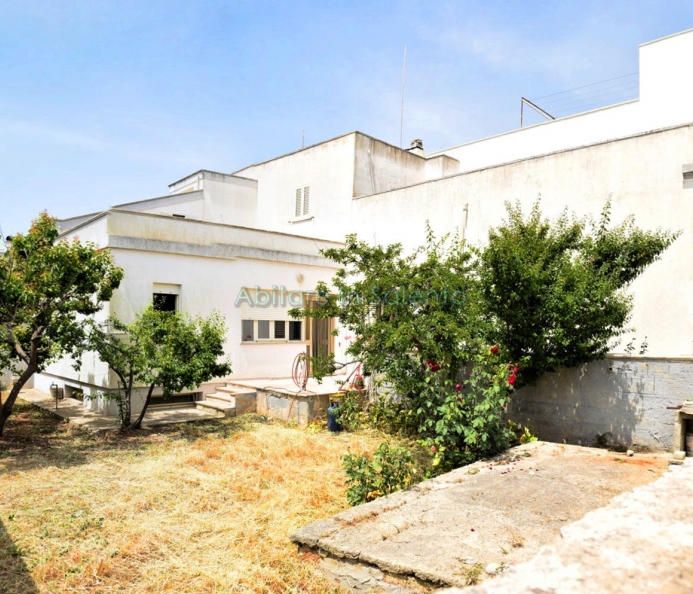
x=623, y=399
x=301, y=409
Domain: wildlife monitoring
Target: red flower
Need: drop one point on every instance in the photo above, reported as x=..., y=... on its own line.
x=432, y=365
x=433, y=449
x=511, y=379
x=458, y=387
x=494, y=350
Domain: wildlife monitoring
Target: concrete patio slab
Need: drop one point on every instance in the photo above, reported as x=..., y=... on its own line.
x=501, y=512
x=73, y=411
x=642, y=541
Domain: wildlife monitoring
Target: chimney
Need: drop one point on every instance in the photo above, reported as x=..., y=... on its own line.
x=416, y=147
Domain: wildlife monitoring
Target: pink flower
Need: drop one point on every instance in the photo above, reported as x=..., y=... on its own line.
x=433, y=449
x=458, y=387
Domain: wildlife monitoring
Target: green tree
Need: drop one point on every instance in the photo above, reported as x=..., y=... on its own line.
x=160, y=348
x=407, y=313
x=554, y=293
x=417, y=321
x=47, y=286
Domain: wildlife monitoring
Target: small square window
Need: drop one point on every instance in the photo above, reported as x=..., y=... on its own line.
x=295, y=330
x=280, y=330
x=263, y=330
x=164, y=301
x=248, y=330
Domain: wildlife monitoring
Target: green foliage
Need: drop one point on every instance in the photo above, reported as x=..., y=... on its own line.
x=350, y=413
x=460, y=423
x=388, y=470
x=160, y=348
x=527, y=436
x=543, y=293
x=47, y=286
x=404, y=310
x=554, y=293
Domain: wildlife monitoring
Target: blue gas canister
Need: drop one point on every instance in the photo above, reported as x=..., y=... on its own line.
x=332, y=423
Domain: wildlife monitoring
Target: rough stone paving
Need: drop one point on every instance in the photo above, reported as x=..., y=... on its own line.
x=641, y=542
x=489, y=514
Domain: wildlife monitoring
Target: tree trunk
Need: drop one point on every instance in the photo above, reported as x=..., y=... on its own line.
x=138, y=423
x=6, y=409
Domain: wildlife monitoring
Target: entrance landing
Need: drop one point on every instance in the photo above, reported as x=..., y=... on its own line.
x=330, y=385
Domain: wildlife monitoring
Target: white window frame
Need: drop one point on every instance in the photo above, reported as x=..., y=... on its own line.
x=271, y=339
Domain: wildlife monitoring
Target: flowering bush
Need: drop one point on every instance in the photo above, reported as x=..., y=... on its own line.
x=462, y=422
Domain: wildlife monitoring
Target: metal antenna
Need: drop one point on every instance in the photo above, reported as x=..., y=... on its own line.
x=535, y=107
x=401, y=115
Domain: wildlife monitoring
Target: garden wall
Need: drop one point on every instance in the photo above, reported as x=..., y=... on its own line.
x=624, y=397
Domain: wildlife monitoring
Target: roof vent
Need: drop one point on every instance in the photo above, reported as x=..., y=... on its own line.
x=416, y=147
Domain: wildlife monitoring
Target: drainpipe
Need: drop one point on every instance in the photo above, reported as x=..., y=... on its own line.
x=463, y=234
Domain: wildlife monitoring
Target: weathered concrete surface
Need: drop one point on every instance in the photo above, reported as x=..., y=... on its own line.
x=623, y=398
x=73, y=411
x=488, y=512
x=640, y=542
x=281, y=399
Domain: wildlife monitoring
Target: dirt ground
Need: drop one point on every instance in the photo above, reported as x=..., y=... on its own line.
x=203, y=507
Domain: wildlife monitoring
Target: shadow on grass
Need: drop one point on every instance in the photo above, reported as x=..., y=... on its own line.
x=35, y=438
x=14, y=574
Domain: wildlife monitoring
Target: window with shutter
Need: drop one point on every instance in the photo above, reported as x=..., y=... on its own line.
x=299, y=201
x=279, y=330
x=265, y=315
x=302, y=205
x=306, y=200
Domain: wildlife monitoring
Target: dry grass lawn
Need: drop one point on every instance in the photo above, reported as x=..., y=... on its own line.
x=205, y=507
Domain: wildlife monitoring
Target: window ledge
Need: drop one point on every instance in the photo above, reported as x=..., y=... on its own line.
x=267, y=342
x=301, y=219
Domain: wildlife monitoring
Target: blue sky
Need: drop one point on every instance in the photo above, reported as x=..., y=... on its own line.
x=106, y=102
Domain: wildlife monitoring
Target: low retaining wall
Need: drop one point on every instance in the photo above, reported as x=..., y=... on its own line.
x=301, y=409
x=623, y=399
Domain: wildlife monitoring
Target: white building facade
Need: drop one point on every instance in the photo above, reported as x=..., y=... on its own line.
x=263, y=226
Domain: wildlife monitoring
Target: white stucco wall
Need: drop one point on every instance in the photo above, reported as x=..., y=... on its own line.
x=643, y=177
x=328, y=168
x=210, y=263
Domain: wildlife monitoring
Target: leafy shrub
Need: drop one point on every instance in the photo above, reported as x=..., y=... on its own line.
x=527, y=437
x=555, y=291
x=460, y=423
x=350, y=414
x=390, y=469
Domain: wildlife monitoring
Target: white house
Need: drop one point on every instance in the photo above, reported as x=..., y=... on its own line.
x=215, y=234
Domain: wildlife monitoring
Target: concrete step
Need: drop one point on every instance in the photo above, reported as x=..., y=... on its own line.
x=225, y=409
x=244, y=398
x=221, y=397
x=236, y=390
